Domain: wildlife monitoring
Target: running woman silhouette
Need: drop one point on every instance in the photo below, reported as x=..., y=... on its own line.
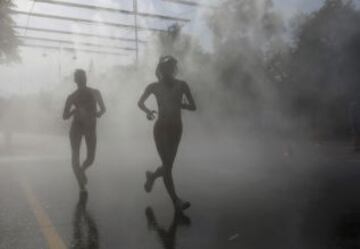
x=82, y=106
x=172, y=95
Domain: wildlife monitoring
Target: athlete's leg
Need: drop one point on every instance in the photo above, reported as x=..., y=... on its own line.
x=172, y=142
x=160, y=146
x=90, y=140
x=158, y=172
x=174, y=137
x=75, y=141
x=160, y=142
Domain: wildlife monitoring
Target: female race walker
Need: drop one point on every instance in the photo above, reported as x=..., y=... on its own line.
x=169, y=93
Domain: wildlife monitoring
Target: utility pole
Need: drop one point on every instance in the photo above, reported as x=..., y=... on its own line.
x=136, y=33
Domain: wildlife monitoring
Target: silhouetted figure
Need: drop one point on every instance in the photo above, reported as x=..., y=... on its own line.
x=167, y=236
x=169, y=93
x=82, y=105
x=86, y=235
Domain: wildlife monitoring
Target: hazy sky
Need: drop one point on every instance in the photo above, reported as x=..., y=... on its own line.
x=41, y=67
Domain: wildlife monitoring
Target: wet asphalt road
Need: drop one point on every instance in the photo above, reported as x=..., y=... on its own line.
x=244, y=195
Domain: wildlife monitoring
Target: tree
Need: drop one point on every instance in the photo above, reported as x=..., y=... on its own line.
x=8, y=39
x=322, y=75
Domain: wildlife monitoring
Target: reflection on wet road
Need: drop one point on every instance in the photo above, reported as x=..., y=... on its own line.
x=167, y=236
x=247, y=196
x=85, y=232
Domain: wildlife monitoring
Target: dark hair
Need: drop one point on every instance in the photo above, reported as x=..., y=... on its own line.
x=164, y=63
x=80, y=75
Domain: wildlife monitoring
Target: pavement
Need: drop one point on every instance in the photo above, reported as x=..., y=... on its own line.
x=245, y=193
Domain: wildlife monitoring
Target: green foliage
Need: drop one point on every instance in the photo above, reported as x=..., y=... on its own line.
x=8, y=40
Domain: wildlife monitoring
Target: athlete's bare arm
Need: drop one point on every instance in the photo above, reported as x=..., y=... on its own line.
x=101, y=104
x=141, y=103
x=190, y=103
x=67, y=110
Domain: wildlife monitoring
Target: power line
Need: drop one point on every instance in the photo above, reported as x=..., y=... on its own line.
x=87, y=21
x=78, y=33
x=71, y=49
x=74, y=43
x=189, y=3
x=115, y=10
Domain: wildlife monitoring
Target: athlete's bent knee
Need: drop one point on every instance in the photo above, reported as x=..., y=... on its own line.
x=89, y=161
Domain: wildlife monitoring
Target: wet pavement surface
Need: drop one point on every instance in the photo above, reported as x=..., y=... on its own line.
x=244, y=195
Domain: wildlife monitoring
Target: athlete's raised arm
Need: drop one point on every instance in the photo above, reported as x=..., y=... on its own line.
x=67, y=109
x=141, y=103
x=101, y=104
x=190, y=103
